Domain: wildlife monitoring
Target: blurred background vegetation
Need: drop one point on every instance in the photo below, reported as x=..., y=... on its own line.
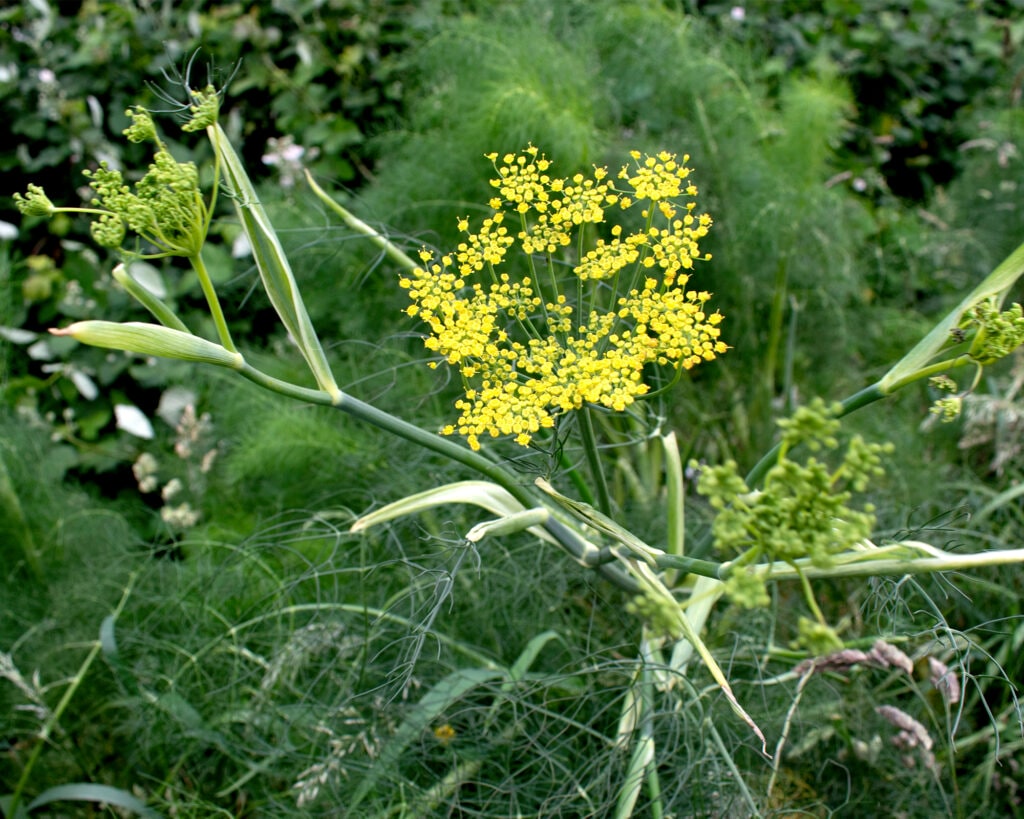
x=863, y=163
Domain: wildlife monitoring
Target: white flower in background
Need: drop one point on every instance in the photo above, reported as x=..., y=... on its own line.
x=133, y=421
x=738, y=13
x=173, y=402
x=171, y=489
x=180, y=517
x=285, y=155
x=144, y=469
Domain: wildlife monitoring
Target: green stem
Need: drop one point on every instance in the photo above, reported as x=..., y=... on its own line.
x=383, y=242
x=55, y=715
x=214, y=303
x=160, y=311
x=567, y=538
x=866, y=396
x=869, y=566
x=692, y=565
x=930, y=370
x=589, y=440
x=774, y=332
x=812, y=604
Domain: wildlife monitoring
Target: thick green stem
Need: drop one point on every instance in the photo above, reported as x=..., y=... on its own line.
x=214, y=303
x=870, y=566
x=589, y=440
x=568, y=539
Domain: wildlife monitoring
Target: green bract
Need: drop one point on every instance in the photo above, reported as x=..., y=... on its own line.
x=151, y=339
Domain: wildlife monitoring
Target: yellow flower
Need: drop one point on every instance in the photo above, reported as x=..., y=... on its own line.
x=547, y=330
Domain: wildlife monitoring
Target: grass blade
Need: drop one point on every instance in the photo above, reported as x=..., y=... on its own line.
x=433, y=703
x=91, y=792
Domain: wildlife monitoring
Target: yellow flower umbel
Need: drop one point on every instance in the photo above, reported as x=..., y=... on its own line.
x=535, y=342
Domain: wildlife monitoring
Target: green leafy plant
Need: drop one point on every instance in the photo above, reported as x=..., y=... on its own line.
x=514, y=328
x=913, y=68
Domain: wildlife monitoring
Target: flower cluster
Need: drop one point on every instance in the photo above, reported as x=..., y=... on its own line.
x=568, y=328
x=166, y=210
x=804, y=509
x=997, y=334
x=192, y=446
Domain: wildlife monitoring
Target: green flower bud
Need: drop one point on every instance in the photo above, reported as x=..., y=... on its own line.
x=37, y=288
x=1001, y=332
x=943, y=382
x=948, y=409
x=205, y=107
x=151, y=339
x=34, y=203
x=108, y=230
x=661, y=614
x=142, y=127
x=747, y=590
x=819, y=639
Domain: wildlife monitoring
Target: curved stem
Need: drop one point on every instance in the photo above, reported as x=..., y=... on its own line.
x=570, y=541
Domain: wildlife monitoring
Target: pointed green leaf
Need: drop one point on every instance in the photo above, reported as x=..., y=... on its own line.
x=602, y=523
x=528, y=519
x=92, y=792
x=484, y=494
x=274, y=269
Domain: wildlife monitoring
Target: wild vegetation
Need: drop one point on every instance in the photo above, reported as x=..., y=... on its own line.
x=676, y=468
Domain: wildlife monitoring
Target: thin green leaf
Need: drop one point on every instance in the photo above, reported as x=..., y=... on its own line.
x=91, y=792
x=484, y=494
x=433, y=704
x=530, y=653
x=528, y=519
x=602, y=523
x=998, y=502
x=655, y=586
